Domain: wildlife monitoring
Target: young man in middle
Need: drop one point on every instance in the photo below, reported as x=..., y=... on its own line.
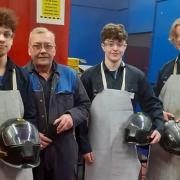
x=114, y=87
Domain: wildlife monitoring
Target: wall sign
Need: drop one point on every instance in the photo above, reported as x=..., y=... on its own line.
x=50, y=11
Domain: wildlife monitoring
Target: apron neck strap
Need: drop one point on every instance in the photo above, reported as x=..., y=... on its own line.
x=104, y=77
x=14, y=82
x=175, y=66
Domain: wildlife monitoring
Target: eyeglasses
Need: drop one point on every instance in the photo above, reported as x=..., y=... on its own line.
x=7, y=34
x=39, y=47
x=118, y=44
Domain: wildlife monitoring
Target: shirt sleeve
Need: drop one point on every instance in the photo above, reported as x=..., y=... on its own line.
x=82, y=138
x=150, y=104
x=80, y=111
x=30, y=112
x=87, y=85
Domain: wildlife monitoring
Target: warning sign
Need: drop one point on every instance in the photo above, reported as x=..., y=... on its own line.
x=50, y=11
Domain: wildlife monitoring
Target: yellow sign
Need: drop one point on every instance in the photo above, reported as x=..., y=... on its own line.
x=50, y=11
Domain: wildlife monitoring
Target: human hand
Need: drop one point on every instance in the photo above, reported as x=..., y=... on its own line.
x=89, y=158
x=177, y=119
x=167, y=116
x=44, y=141
x=63, y=123
x=155, y=136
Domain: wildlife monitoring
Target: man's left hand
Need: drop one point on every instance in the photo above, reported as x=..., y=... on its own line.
x=63, y=123
x=156, y=136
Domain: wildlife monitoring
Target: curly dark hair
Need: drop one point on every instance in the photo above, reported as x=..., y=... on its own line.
x=114, y=32
x=8, y=18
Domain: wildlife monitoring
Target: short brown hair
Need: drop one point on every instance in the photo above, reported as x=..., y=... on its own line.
x=114, y=32
x=8, y=19
x=40, y=30
x=172, y=33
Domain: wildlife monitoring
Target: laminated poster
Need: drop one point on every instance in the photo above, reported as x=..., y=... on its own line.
x=51, y=11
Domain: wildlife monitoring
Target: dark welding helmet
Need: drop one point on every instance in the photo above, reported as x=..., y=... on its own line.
x=138, y=129
x=170, y=139
x=19, y=144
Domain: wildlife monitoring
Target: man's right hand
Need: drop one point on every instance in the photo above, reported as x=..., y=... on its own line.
x=168, y=116
x=89, y=158
x=44, y=141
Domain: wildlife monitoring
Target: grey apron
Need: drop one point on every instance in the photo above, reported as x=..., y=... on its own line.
x=163, y=165
x=11, y=106
x=114, y=159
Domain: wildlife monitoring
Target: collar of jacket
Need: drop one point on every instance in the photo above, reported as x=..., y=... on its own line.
x=31, y=68
x=121, y=67
x=9, y=66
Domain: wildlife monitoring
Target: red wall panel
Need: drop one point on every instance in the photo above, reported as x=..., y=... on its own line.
x=26, y=10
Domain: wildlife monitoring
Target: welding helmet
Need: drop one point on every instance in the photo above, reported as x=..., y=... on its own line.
x=138, y=129
x=170, y=139
x=19, y=144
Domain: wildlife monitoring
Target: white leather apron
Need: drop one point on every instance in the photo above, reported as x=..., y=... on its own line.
x=11, y=106
x=163, y=165
x=114, y=159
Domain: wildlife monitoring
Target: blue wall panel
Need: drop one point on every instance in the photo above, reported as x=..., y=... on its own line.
x=141, y=15
x=105, y=4
x=162, y=49
x=85, y=26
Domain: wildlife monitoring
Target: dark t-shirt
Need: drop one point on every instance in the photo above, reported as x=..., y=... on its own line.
x=1, y=80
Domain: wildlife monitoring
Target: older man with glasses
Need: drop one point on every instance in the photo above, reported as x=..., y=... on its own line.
x=62, y=104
